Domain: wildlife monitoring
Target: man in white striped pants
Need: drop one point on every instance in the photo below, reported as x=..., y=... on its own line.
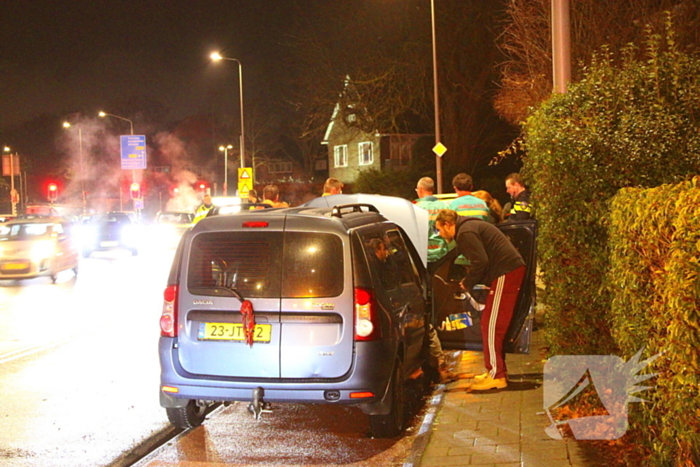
x=493, y=261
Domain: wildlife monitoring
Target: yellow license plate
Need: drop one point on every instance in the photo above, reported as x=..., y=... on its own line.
x=14, y=266
x=233, y=332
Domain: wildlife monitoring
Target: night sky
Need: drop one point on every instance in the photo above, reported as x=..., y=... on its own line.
x=69, y=55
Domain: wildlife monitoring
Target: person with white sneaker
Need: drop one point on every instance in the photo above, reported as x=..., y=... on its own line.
x=493, y=261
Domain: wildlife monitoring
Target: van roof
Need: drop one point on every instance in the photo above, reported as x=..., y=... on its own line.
x=412, y=219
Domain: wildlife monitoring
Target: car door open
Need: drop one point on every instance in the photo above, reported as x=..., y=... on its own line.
x=457, y=317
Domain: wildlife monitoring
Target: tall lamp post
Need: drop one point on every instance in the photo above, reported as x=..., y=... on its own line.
x=225, y=149
x=82, y=173
x=216, y=57
x=438, y=158
x=131, y=126
x=13, y=193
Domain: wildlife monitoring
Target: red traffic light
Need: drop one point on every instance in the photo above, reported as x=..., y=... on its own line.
x=135, y=191
x=52, y=192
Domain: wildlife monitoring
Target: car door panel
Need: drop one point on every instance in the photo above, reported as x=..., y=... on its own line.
x=458, y=321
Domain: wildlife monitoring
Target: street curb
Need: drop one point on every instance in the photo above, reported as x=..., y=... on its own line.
x=425, y=428
x=146, y=446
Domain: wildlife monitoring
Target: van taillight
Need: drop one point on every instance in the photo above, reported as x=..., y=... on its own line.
x=168, y=318
x=255, y=224
x=366, y=316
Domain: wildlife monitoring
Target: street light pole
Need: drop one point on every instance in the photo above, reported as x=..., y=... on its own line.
x=216, y=57
x=225, y=149
x=131, y=125
x=438, y=159
x=82, y=173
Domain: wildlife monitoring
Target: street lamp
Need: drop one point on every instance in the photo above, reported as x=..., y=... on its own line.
x=225, y=149
x=438, y=158
x=105, y=114
x=13, y=193
x=82, y=173
x=216, y=57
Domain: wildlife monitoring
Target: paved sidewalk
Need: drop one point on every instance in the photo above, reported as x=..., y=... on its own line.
x=500, y=427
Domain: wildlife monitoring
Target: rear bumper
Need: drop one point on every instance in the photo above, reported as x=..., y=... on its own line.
x=369, y=373
x=10, y=268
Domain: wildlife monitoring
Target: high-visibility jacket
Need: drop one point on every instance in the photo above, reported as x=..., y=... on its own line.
x=521, y=209
x=470, y=206
x=437, y=246
x=201, y=213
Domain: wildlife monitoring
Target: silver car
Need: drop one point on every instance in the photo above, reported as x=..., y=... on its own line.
x=326, y=303
x=41, y=246
x=294, y=305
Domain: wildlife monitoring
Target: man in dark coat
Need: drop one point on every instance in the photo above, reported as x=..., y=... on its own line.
x=520, y=198
x=492, y=261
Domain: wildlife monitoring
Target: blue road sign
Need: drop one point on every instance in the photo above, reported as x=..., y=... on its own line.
x=133, y=152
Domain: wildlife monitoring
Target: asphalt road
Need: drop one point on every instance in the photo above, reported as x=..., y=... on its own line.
x=78, y=362
x=79, y=380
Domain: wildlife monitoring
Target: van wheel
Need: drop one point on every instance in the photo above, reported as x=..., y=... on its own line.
x=391, y=424
x=189, y=416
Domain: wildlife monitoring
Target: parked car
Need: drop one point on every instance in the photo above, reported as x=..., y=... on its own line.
x=334, y=323
x=41, y=246
x=448, y=304
x=323, y=303
x=109, y=231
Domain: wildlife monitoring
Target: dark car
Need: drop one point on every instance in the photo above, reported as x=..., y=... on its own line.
x=109, y=231
x=308, y=305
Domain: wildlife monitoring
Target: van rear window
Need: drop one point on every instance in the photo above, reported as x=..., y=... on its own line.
x=266, y=264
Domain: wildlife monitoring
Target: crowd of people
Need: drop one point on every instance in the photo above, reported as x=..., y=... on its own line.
x=467, y=223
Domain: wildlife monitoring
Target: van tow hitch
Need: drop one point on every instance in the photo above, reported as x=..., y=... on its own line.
x=259, y=406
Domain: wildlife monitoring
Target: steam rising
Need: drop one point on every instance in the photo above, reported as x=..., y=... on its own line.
x=93, y=164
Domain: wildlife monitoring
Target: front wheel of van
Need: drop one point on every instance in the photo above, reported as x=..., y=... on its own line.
x=190, y=416
x=391, y=424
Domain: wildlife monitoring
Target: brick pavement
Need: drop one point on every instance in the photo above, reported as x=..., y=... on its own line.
x=500, y=427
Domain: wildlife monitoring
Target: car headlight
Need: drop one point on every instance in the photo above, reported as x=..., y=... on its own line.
x=86, y=235
x=129, y=234
x=42, y=250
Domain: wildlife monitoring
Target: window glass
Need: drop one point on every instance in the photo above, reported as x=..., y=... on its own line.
x=381, y=261
x=365, y=153
x=313, y=265
x=253, y=263
x=341, y=156
x=247, y=262
x=402, y=257
x=17, y=232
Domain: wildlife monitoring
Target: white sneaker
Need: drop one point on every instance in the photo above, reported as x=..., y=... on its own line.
x=481, y=377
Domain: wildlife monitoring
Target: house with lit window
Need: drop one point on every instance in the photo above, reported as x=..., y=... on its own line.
x=352, y=150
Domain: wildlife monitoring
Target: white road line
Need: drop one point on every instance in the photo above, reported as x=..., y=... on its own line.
x=26, y=351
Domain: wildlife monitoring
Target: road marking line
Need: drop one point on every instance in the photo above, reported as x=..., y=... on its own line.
x=25, y=352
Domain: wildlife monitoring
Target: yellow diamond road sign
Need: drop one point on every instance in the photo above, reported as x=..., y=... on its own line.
x=440, y=149
x=245, y=181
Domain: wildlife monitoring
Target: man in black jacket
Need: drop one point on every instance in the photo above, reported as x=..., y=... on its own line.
x=495, y=262
x=520, y=198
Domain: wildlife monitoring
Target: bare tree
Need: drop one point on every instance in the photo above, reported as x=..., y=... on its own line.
x=526, y=74
x=376, y=64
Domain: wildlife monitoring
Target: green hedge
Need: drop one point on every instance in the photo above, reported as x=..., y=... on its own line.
x=629, y=122
x=654, y=280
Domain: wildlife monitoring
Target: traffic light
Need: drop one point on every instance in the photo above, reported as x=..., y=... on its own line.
x=135, y=191
x=52, y=192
